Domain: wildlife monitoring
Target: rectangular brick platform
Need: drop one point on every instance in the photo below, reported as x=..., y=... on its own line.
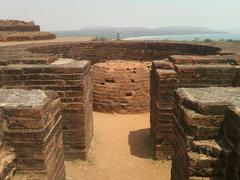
x=34, y=131
x=72, y=81
x=184, y=71
x=206, y=134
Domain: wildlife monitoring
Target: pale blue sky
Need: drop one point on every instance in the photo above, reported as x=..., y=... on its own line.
x=75, y=14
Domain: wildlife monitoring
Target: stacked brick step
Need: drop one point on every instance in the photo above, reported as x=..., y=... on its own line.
x=199, y=149
x=72, y=81
x=34, y=130
x=184, y=71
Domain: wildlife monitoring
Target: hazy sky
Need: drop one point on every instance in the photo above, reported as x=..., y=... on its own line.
x=75, y=14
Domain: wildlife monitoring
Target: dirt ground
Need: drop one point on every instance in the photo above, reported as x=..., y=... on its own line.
x=122, y=150
x=58, y=39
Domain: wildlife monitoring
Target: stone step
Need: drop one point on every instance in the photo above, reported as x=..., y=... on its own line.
x=203, y=165
x=199, y=178
x=211, y=147
x=204, y=178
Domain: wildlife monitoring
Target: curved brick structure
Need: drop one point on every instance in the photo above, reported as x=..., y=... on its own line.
x=46, y=53
x=124, y=50
x=121, y=86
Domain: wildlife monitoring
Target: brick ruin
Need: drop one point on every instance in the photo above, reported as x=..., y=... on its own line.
x=66, y=68
x=184, y=71
x=14, y=30
x=206, y=131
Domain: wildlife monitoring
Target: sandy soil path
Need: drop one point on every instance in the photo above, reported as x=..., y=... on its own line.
x=121, y=151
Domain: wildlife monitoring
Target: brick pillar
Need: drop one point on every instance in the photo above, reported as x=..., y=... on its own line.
x=163, y=84
x=34, y=130
x=72, y=80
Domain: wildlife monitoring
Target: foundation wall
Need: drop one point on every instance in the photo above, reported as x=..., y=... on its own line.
x=183, y=71
x=72, y=81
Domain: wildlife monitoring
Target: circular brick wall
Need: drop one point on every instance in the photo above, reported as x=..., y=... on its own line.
x=121, y=86
x=124, y=50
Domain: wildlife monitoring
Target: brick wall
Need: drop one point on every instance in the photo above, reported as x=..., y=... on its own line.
x=120, y=86
x=34, y=131
x=183, y=71
x=72, y=81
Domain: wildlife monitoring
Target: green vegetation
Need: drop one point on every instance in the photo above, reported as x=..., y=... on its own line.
x=101, y=38
x=207, y=40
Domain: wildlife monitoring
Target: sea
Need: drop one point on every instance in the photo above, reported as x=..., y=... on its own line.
x=192, y=37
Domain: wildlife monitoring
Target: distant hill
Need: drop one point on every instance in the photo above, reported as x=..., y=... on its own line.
x=111, y=32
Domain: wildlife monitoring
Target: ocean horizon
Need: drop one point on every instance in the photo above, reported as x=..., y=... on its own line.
x=192, y=37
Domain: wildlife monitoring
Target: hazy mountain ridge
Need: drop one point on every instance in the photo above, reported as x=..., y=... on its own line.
x=111, y=32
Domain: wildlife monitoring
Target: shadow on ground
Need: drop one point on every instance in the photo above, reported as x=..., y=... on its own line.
x=141, y=144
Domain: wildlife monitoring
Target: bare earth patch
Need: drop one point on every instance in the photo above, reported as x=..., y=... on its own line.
x=121, y=150
x=58, y=39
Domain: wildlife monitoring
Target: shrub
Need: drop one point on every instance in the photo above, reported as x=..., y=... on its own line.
x=207, y=40
x=101, y=38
